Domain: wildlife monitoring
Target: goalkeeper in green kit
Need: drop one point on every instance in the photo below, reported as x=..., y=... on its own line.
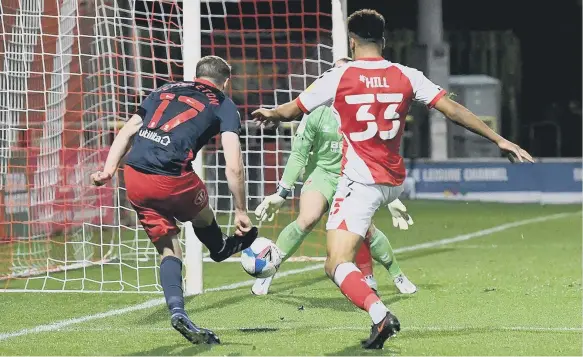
x=318, y=147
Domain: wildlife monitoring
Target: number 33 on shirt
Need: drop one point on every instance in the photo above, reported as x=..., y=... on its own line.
x=371, y=99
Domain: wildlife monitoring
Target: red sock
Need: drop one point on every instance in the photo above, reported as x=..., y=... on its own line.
x=363, y=259
x=352, y=284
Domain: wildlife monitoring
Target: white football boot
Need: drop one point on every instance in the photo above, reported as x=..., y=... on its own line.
x=261, y=286
x=404, y=285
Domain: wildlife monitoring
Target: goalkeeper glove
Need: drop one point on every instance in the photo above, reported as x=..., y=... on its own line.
x=401, y=218
x=271, y=205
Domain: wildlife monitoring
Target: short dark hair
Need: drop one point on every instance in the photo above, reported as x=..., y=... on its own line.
x=367, y=25
x=213, y=67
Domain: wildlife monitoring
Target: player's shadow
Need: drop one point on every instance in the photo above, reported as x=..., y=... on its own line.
x=391, y=350
x=336, y=303
x=416, y=335
x=423, y=287
x=357, y=350
x=190, y=350
x=173, y=350
x=283, y=286
x=160, y=313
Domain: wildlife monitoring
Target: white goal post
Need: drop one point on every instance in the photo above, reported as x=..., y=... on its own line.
x=72, y=71
x=193, y=282
x=194, y=249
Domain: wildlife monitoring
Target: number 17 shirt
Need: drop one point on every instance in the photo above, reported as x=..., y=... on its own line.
x=178, y=120
x=370, y=98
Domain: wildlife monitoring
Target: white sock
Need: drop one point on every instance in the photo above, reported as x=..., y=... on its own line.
x=377, y=312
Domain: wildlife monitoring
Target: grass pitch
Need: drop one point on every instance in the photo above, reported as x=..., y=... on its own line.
x=513, y=290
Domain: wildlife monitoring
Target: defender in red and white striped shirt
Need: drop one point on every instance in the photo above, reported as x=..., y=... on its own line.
x=370, y=98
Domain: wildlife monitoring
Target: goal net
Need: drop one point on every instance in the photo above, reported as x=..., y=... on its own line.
x=72, y=71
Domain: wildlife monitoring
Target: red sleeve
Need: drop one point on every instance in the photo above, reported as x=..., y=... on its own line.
x=302, y=106
x=439, y=95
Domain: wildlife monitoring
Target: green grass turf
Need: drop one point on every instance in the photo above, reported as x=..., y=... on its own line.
x=514, y=292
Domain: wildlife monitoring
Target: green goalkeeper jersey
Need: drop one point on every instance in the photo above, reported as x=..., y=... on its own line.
x=317, y=144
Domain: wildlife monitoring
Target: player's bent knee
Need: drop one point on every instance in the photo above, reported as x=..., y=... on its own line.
x=332, y=263
x=342, y=247
x=312, y=206
x=334, y=259
x=307, y=222
x=204, y=218
x=330, y=267
x=168, y=246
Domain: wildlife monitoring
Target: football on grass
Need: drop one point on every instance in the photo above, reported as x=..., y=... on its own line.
x=261, y=259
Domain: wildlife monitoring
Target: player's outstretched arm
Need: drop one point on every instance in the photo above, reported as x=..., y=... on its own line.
x=236, y=178
x=301, y=147
x=118, y=149
x=462, y=116
x=285, y=112
x=319, y=93
x=297, y=160
x=234, y=169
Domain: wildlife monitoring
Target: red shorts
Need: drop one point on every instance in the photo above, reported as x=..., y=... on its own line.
x=161, y=200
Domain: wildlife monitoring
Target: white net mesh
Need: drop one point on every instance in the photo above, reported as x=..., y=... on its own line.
x=72, y=71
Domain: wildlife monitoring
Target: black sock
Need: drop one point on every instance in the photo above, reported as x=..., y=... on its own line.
x=211, y=236
x=171, y=280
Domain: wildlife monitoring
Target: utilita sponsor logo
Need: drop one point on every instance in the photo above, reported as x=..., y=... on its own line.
x=150, y=135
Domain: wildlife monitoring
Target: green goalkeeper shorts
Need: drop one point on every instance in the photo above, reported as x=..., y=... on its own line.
x=322, y=181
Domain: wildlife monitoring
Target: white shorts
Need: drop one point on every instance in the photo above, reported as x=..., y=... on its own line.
x=355, y=204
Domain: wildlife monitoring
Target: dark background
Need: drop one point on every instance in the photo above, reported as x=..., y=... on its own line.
x=549, y=36
x=551, y=46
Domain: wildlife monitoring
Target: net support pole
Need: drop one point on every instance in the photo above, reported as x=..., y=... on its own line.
x=339, y=31
x=191, y=52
